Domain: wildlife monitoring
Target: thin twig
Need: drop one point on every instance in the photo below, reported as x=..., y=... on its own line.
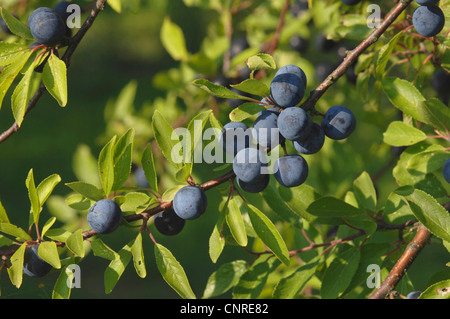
x=353, y=55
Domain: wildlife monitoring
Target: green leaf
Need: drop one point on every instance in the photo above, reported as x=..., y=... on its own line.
x=430, y=213
x=138, y=256
x=166, y=139
x=148, y=164
x=85, y=166
x=172, y=38
x=87, y=190
x=252, y=282
x=136, y=202
x=54, y=77
x=226, y=277
x=116, y=267
x=371, y=253
x=16, y=26
x=288, y=287
x=332, y=207
x=3, y=216
x=116, y=5
x=218, y=90
x=169, y=194
x=15, y=231
x=10, y=51
x=33, y=196
x=46, y=187
x=298, y=199
x=58, y=234
x=404, y=96
x=402, y=134
x=195, y=129
x=215, y=124
x=252, y=86
x=10, y=72
x=236, y=223
x=385, y=54
x=172, y=272
x=429, y=182
x=100, y=249
x=339, y=273
x=15, y=271
x=435, y=113
x=106, y=166
x=245, y=110
x=49, y=252
x=261, y=61
x=427, y=162
x=5, y=241
x=48, y=224
x=217, y=240
x=439, y=290
x=21, y=96
x=123, y=152
x=278, y=205
x=365, y=192
x=62, y=289
x=75, y=243
x=268, y=233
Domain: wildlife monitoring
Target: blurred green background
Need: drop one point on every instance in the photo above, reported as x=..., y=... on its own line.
x=121, y=48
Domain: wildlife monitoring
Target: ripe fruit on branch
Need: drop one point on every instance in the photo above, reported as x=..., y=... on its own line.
x=294, y=123
x=291, y=170
x=338, y=123
x=265, y=129
x=428, y=20
x=313, y=143
x=104, y=216
x=248, y=165
x=256, y=186
x=33, y=265
x=234, y=137
x=288, y=86
x=46, y=26
x=190, y=202
x=169, y=223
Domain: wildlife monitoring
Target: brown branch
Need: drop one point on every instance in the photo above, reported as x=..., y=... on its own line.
x=276, y=38
x=409, y=255
x=99, y=5
x=277, y=35
x=354, y=54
